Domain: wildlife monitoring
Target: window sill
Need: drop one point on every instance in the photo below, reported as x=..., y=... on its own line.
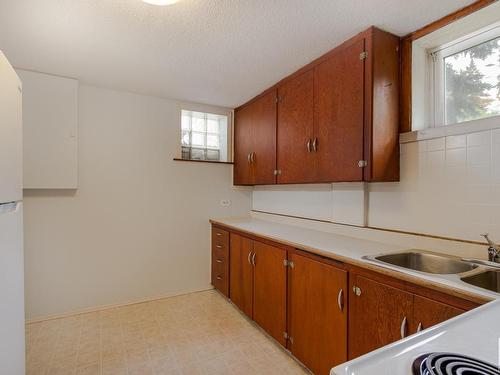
x=447, y=130
x=204, y=161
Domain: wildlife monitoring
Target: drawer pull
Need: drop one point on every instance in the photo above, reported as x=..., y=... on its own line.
x=403, y=328
x=420, y=327
x=218, y=246
x=340, y=300
x=218, y=260
x=218, y=234
x=219, y=278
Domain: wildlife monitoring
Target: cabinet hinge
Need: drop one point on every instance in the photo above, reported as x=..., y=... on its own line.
x=363, y=55
x=277, y=172
x=362, y=163
x=287, y=337
x=288, y=263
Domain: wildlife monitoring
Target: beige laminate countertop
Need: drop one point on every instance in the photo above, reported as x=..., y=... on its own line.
x=351, y=250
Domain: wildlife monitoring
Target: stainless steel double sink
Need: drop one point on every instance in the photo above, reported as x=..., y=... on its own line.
x=479, y=273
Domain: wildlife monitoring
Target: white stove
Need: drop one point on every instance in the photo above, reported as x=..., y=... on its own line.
x=465, y=345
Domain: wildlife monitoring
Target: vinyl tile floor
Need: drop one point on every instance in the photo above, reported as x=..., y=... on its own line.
x=198, y=333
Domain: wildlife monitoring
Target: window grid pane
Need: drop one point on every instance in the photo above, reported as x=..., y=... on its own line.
x=200, y=136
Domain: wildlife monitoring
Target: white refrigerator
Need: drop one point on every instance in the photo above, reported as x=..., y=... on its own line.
x=12, y=352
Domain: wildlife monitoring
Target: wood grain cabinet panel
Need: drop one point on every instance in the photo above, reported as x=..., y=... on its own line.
x=338, y=114
x=255, y=142
x=427, y=313
x=269, y=295
x=336, y=119
x=243, y=144
x=241, y=273
x=378, y=314
x=317, y=313
x=295, y=130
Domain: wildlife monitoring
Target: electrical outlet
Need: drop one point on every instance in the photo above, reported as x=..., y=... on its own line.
x=225, y=202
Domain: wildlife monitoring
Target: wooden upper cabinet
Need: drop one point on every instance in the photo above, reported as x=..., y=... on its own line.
x=241, y=273
x=336, y=120
x=317, y=313
x=427, y=313
x=243, y=145
x=264, y=139
x=382, y=75
x=255, y=142
x=378, y=315
x=295, y=130
x=269, y=296
x=338, y=114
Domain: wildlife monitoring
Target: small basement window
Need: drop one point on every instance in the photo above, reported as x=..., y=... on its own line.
x=204, y=136
x=465, y=78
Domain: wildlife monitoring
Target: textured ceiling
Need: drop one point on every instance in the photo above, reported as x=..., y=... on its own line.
x=219, y=52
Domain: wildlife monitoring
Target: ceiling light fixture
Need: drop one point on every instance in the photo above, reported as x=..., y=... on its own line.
x=160, y=2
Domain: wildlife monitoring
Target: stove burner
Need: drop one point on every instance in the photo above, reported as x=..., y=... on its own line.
x=452, y=364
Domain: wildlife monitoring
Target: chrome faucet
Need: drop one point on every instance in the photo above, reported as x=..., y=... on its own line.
x=493, y=249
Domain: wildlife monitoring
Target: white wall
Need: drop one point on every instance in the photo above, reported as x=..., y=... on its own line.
x=137, y=227
x=450, y=186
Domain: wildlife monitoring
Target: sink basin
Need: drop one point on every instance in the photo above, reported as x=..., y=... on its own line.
x=488, y=280
x=426, y=262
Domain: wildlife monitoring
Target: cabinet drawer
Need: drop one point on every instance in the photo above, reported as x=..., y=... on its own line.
x=220, y=238
x=220, y=273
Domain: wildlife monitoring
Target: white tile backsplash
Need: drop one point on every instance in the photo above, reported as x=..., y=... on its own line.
x=450, y=186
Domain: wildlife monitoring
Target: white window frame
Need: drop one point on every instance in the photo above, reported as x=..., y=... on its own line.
x=226, y=138
x=436, y=71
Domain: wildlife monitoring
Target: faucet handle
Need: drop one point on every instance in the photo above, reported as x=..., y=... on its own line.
x=490, y=242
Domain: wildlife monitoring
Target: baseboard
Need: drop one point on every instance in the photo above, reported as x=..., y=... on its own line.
x=113, y=306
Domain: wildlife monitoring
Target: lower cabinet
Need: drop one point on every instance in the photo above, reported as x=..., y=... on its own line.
x=269, y=292
x=323, y=311
x=258, y=283
x=378, y=315
x=241, y=273
x=317, y=313
x=427, y=313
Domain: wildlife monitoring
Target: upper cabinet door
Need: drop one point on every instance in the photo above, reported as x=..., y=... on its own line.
x=243, y=144
x=264, y=138
x=338, y=114
x=295, y=130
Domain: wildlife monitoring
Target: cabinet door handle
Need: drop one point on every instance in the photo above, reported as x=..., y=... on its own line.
x=249, y=255
x=420, y=327
x=315, y=144
x=249, y=158
x=340, y=299
x=253, y=258
x=309, y=145
x=252, y=157
x=403, y=328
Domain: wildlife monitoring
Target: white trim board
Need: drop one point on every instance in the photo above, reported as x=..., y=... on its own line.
x=444, y=131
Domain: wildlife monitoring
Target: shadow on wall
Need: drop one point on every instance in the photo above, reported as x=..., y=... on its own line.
x=49, y=193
